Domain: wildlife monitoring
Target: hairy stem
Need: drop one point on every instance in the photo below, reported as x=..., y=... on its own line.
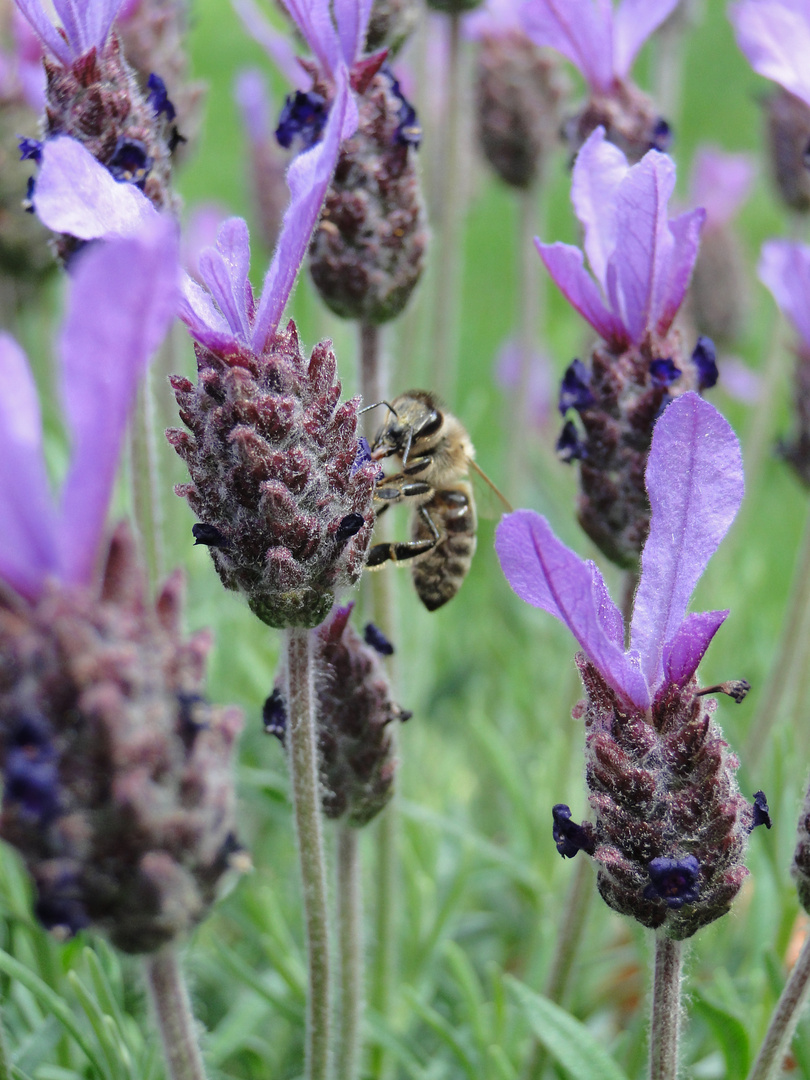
x=528, y=318
x=306, y=794
x=172, y=1010
x=372, y=375
x=666, y=1009
x=350, y=932
x=786, y=1015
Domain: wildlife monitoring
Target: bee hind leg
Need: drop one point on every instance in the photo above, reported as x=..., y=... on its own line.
x=404, y=551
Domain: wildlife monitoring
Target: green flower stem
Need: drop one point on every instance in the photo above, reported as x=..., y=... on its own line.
x=666, y=1009
x=529, y=315
x=306, y=794
x=786, y=1015
x=350, y=912
x=372, y=376
x=172, y=1010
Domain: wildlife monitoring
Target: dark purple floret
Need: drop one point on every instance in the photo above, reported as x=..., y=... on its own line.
x=208, y=535
x=363, y=454
x=28, y=203
x=130, y=163
x=374, y=637
x=30, y=149
x=570, y=837
x=761, y=814
x=159, y=98
x=569, y=445
x=674, y=881
x=59, y=905
x=193, y=715
x=664, y=373
x=303, y=116
x=31, y=782
x=349, y=526
x=274, y=715
x=661, y=136
x=705, y=360
x=575, y=389
x=409, y=130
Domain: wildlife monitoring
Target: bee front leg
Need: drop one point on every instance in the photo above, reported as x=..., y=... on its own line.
x=404, y=551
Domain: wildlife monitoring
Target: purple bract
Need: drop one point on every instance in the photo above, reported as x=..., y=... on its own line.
x=775, y=37
x=86, y=25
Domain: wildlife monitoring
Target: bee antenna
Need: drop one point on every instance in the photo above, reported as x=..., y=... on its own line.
x=376, y=405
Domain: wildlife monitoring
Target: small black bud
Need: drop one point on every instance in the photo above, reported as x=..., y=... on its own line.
x=208, y=535
x=374, y=637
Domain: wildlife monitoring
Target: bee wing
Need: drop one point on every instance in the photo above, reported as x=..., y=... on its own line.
x=490, y=500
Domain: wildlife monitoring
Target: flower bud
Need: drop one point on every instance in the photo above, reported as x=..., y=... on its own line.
x=629, y=117
x=796, y=450
x=788, y=121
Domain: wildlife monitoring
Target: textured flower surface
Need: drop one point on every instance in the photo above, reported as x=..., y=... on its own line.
x=775, y=37
x=641, y=259
x=671, y=826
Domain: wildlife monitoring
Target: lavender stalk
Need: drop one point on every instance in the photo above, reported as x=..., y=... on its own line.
x=788, y=1012
x=172, y=1011
x=666, y=1008
x=350, y=933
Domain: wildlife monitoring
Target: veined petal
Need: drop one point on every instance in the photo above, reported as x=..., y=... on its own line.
x=225, y=271
x=74, y=194
x=633, y=22
x=201, y=315
x=123, y=297
x=642, y=259
x=46, y=31
x=684, y=652
x=27, y=543
x=99, y=16
x=695, y=484
x=547, y=574
x=308, y=178
x=73, y=25
x=775, y=37
x=599, y=169
x=314, y=19
x=581, y=30
x=277, y=46
x=785, y=268
x=352, y=21
x=674, y=282
x=565, y=263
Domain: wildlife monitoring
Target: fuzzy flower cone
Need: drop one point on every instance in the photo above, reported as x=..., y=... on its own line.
x=93, y=96
x=670, y=826
x=602, y=39
x=775, y=37
x=785, y=268
x=354, y=712
x=642, y=261
x=118, y=790
x=519, y=93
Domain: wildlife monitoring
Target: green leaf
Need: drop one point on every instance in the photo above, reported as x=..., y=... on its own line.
x=568, y=1041
x=730, y=1033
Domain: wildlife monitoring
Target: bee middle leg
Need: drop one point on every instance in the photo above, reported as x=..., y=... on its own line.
x=404, y=551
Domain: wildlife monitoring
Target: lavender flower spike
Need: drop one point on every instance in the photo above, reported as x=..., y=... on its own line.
x=122, y=298
x=660, y=777
x=641, y=259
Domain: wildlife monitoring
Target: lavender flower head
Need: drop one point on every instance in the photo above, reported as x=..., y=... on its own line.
x=775, y=37
x=670, y=824
x=602, y=41
x=117, y=784
x=785, y=268
x=92, y=95
x=642, y=261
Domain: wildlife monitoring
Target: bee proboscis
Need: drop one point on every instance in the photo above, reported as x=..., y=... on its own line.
x=435, y=455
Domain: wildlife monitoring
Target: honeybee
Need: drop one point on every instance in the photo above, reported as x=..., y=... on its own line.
x=435, y=456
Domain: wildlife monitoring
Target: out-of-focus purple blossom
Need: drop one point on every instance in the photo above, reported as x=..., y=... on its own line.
x=575, y=389
x=86, y=25
x=495, y=18
x=704, y=357
x=784, y=267
x=540, y=389
x=159, y=97
x=762, y=815
x=695, y=485
x=200, y=232
x=641, y=259
x=251, y=95
x=122, y=297
x=22, y=77
x=267, y=159
x=720, y=183
x=570, y=446
x=600, y=39
x=775, y=37
x=739, y=381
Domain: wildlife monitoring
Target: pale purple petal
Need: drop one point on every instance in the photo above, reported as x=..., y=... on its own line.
x=720, y=184
x=579, y=29
x=98, y=15
x=314, y=20
x=250, y=92
x=73, y=25
x=566, y=266
x=785, y=268
x=225, y=270
x=277, y=46
x=46, y=31
x=641, y=257
x=695, y=484
x=683, y=654
x=352, y=21
x=123, y=297
x=599, y=169
x=547, y=574
x=200, y=232
x=775, y=37
x=308, y=178
x=685, y=231
x=633, y=22
x=27, y=542
x=495, y=18
x=739, y=381
x=74, y=194
x=201, y=315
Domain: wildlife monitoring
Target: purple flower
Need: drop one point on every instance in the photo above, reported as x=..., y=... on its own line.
x=641, y=259
x=695, y=485
x=122, y=297
x=86, y=25
x=599, y=40
x=720, y=183
x=775, y=37
x=675, y=881
x=784, y=267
